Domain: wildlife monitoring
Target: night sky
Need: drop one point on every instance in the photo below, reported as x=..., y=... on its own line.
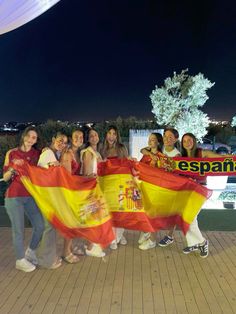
x=94, y=60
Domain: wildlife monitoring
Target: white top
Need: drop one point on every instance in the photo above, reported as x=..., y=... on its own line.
x=95, y=155
x=174, y=152
x=46, y=157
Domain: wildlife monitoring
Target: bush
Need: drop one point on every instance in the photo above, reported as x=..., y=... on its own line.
x=6, y=142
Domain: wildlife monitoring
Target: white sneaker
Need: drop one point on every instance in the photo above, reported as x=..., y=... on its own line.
x=148, y=244
x=143, y=237
x=119, y=233
x=24, y=265
x=123, y=241
x=113, y=245
x=31, y=256
x=95, y=251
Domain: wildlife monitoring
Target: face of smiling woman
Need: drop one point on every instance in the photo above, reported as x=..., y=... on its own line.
x=60, y=143
x=152, y=141
x=93, y=138
x=111, y=137
x=169, y=139
x=188, y=142
x=77, y=138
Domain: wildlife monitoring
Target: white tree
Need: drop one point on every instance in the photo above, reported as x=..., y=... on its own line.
x=177, y=103
x=233, y=123
x=194, y=121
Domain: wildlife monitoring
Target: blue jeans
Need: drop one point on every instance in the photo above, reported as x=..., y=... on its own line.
x=16, y=207
x=47, y=250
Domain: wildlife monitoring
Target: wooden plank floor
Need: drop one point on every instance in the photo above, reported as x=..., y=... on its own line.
x=161, y=280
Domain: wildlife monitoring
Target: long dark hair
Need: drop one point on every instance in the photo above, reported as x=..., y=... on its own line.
x=194, y=150
x=159, y=140
x=119, y=147
x=86, y=137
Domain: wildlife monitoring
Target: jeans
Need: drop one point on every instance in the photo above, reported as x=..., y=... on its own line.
x=16, y=207
x=47, y=249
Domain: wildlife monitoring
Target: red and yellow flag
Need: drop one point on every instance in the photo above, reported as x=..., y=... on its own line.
x=123, y=195
x=170, y=199
x=79, y=207
x=157, y=200
x=74, y=205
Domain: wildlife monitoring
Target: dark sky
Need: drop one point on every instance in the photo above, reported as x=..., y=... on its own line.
x=95, y=60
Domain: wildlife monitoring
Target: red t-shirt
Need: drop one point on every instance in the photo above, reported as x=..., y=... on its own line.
x=16, y=188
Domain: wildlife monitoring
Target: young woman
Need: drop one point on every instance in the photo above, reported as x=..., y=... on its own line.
x=189, y=148
x=89, y=160
x=194, y=238
x=47, y=251
x=151, y=155
x=19, y=202
x=170, y=141
x=113, y=148
x=70, y=159
x=152, y=152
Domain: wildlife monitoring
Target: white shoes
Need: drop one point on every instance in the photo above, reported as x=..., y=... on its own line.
x=123, y=240
x=95, y=251
x=143, y=237
x=113, y=245
x=24, y=265
x=148, y=244
x=31, y=256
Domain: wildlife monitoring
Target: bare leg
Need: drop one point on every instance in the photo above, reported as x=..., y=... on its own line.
x=68, y=256
x=67, y=250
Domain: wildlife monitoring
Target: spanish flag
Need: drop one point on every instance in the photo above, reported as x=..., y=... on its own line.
x=170, y=199
x=79, y=207
x=157, y=200
x=72, y=204
x=123, y=194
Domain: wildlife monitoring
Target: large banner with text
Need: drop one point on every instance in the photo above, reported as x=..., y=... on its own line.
x=220, y=166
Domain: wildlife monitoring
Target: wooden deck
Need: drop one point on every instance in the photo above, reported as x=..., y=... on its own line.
x=161, y=280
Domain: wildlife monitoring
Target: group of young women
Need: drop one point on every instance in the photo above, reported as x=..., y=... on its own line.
x=169, y=146
x=82, y=159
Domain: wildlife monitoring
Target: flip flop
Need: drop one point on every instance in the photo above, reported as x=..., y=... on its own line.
x=71, y=259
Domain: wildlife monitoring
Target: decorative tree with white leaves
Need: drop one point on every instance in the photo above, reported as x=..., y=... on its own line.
x=233, y=123
x=177, y=103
